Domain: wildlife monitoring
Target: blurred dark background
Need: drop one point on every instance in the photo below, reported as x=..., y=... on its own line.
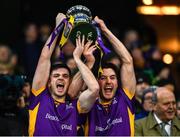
x=14, y=14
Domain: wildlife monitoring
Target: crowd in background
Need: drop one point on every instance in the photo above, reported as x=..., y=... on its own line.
x=21, y=60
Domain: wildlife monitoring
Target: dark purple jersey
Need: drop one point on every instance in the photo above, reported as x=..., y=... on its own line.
x=48, y=118
x=117, y=121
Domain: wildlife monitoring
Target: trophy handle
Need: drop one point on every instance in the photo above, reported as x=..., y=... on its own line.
x=56, y=31
x=66, y=32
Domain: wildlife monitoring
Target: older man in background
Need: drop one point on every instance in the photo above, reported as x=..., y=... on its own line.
x=162, y=121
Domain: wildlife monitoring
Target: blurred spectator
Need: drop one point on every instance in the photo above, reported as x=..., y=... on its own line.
x=8, y=61
x=13, y=108
x=5, y=53
x=146, y=102
x=29, y=49
x=13, y=111
x=162, y=120
x=24, y=115
x=161, y=72
x=147, y=98
x=16, y=68
x=178, y=108
x=112, y=58
x=12, y=104
x=26, y=90
x=14, y=60
x=5, y=56
x=151, y=53
x=139, y=61
x=153, y=57
x=45, y=31
x=164, y=77
x=143, y=83
x=131, y=38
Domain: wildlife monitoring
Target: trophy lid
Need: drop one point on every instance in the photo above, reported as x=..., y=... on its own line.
x=80, y=14
x=82, y=23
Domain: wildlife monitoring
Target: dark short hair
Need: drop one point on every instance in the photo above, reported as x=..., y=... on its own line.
x=57, y=65
x=148, y=90
x=142, y=77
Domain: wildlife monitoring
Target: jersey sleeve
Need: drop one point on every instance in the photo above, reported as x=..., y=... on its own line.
x=130, y=100
x=35, y=97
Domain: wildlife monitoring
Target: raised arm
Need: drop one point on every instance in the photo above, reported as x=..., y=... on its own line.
x=43, y=68
x=127, y=70
x=77, y=83
x=87, y=97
